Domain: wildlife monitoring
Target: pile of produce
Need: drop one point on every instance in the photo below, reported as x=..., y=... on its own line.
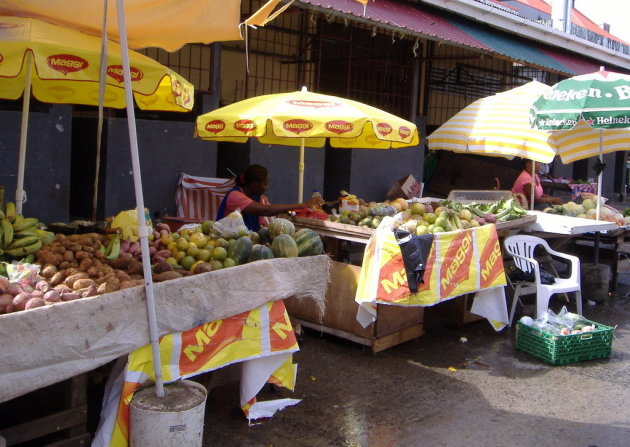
x=69, y=267
x=563, y=323
x=588, y=210
x=438, y=217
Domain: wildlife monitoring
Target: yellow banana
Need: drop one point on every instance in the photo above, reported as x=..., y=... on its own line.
x=10, y=211
x=25, y=223
x=2, y=216
x=46, y=236
x=26, y=250
x=23, y=242
x=8, y=232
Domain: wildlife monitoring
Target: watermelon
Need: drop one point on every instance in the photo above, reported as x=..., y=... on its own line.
x=240, y=250
x=280, y=226
x=308, y=242
x=284, y=246
x=260, y=252
x=263, y=232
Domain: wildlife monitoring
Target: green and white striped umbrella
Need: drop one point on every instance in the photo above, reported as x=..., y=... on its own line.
x=587, y=115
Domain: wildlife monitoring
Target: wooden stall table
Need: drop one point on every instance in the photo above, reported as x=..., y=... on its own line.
x=395, y=324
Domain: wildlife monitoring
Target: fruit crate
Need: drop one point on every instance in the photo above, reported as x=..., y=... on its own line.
x=562, y=349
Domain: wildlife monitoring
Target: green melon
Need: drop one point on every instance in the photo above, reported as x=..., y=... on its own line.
x=284, y=246
x=260, y=252
x=308, y=242
x=280, y=226
x=240, y=250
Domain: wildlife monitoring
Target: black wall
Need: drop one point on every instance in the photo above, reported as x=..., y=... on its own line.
x=47, y=173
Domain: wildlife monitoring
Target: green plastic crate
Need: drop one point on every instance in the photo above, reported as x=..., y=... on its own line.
x=562, y=349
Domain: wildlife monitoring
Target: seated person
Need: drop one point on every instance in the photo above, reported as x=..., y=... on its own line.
x=523, y=185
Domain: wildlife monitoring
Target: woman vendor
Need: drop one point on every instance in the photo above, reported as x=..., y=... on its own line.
x=248, y=198
x=523, y=187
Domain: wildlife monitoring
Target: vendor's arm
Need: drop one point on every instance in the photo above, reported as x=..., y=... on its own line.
x=260, y=209
x=527, y=189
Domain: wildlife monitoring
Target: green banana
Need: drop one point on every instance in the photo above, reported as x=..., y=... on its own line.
x=113, y=248
x=29, y=259
x=25, y=250
x=25, y=223
x=21, y=234
x=8, y=232
x=46, y=236
x=23, y=242
x=10, y=211
x=2, y=216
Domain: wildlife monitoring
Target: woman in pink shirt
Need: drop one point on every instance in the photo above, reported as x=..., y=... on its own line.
x=248, y=197
x=523, y=185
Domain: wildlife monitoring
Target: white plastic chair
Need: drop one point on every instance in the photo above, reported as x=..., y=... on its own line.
x=521, y=248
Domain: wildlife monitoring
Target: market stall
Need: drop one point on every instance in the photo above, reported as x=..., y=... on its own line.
x=393, y=322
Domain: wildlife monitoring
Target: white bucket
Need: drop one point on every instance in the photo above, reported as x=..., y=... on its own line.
x=174, y=420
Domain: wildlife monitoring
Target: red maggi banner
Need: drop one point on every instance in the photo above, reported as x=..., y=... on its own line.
x=459, y=262
x=252, y=335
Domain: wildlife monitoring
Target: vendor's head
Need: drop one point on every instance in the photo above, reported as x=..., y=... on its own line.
x=255, y=180
x=528, y=165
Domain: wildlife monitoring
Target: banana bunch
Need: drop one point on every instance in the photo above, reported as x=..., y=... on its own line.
x=20, y=236
x=112, y=250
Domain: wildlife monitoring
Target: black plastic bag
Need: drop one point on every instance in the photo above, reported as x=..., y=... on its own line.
x=415, y=251
x=516, y=274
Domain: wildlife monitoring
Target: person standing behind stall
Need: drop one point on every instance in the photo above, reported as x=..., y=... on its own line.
x=523, y=184
x=248, y=197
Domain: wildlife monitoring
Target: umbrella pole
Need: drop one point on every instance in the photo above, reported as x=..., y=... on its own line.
x=142, y=227
x=20, y=194
x=533, y=189
x=101, y=98
x=301, y=172
x=600, y=177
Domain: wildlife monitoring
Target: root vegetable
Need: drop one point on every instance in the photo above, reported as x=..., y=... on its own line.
x=34, y=302
x=48, y=271
x=166, y=276
x=70, y=296
x=6, y=299
x=68, y=256
x=85, y=264
x=163, y=253
x=152, y=251
x=37, y=294
x=161, y=267
x=163, y=227
x=14, y=289
x=64, y=265
x=89, y=291
x=69, y=281
x=135, y=268
x=127, y=284
x=52, y=296
x=92, y=271
x=43, y=285
x=83, y=283
x=20, y=300
x=122, y=276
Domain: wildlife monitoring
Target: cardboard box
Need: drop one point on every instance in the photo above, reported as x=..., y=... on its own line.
x=407, y=188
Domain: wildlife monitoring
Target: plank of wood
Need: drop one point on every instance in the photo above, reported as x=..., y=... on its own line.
x=83, y=440
x=396, y=338
x=44, y=426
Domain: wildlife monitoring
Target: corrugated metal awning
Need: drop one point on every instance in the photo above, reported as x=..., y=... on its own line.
x=429, y=23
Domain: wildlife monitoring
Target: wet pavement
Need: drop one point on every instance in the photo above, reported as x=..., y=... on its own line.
x=440, y=390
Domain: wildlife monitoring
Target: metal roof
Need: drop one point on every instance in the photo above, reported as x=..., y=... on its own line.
x=427, y=22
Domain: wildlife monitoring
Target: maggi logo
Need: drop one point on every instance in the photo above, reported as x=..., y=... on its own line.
x=215, y=126
x=397, y=279
x=492, y=260
x=245, y=126
x=457, y=261
x=202, y=338
x=66, y=63
x=297, y=125
x=116, y=72
x=339, y=127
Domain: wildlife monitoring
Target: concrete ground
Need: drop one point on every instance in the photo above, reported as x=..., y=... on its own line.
x=441, y=390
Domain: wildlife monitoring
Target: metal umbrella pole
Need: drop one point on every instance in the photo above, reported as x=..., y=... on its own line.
x=20, y=194
x=137, y=181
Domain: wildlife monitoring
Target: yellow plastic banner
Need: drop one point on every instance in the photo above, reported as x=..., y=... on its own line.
x=459, y=262
x=262, y=332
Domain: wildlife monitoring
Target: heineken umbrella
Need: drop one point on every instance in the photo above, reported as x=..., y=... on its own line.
x=587, y=115
x=497, y=125
x=307, y=119
x=63, y=66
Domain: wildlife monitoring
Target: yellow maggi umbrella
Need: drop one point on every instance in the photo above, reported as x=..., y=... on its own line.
x=307, y=119
x=62, y=66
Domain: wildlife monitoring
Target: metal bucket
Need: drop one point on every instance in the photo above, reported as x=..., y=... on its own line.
x=173, y=420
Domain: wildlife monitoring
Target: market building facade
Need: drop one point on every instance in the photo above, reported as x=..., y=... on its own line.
x=421, y=60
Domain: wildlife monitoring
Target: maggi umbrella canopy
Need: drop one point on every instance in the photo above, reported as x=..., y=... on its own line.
x=63, y=66
x=497, y=125
x=307, y=119
x=587, y=115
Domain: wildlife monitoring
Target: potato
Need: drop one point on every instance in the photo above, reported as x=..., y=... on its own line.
x=127, y=284
x=162, y=267
x=20, y=300
x=52, y=296
x=74, y=237
x=85, y=263
x=71, y=296
x=43, y=285
x=49, y=270
x=81, y=255
x=165, y=276
x=14, y=289
x=62, y=288
x=202, y=267
x=64, y=264
x=99, y=255
x=122, y=276
x=135, y=268
x=37, y=294
x=68, y=256
x=82, y=283
x=69, y=281
x=6, y=299
x=34, y=302
x=60, y=237
x=93, y=272
x=89, y=291
x=109, y=286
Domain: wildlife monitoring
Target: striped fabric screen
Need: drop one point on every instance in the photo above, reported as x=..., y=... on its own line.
x=200, y=197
